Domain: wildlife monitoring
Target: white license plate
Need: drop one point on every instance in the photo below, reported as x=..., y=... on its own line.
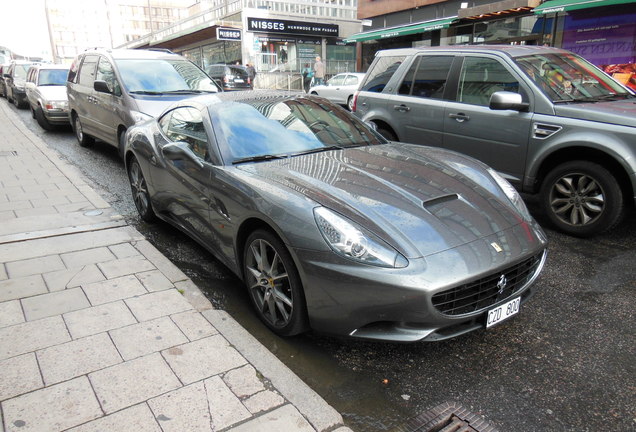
x=238, y=80
x=503, y=312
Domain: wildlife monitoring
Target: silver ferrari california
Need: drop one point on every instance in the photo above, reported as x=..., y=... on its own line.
x=330, y=226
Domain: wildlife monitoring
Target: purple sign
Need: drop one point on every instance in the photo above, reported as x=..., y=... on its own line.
x=600, y=37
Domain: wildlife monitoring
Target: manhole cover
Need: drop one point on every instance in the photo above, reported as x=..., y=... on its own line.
x=447, y=417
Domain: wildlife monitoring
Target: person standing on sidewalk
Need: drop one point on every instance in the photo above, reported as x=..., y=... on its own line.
x=319, y=72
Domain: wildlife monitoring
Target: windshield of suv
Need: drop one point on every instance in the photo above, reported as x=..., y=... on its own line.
x=157, y=76
x=570, y=78
x=52, y=77
x=266, y=129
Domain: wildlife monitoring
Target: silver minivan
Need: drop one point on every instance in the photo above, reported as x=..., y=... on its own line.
x=110, y=90
x=549, y=121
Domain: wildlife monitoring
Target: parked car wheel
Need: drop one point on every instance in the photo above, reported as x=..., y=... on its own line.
x=83, y=139
x=386, y=133
x=273, y=284
x=122, y=143
x=350, y=103
x=32, y=111
x=139, y=189
x=41, y=119
x=582, y=198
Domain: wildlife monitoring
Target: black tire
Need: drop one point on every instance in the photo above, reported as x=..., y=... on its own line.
x=582, y=198
x=83, y=139
x=350, y=103
x=32, y=111
x=139, y=189
x=122, y=143
x=388, y=134
x=42, y=121
x=274, y=285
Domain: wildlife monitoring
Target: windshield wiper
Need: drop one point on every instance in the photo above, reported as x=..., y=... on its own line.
x=188, y=91
x=146, y=92
x=318, y=150
x=258, y=158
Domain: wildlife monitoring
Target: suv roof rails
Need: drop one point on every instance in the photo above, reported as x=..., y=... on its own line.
x=165, y=50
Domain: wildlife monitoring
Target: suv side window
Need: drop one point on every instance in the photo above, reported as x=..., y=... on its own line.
x=336, y=81
x=185, y=124
x=106, y=73
x=87, y=70
x=381, y=72
x=351, y=80
x=481, y=77
x=427, y=77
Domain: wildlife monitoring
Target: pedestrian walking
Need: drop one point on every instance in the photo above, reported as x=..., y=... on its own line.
x=308, y=75
x=319, y=72
x=251, y=73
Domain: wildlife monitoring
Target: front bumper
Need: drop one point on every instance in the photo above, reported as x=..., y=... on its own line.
x=345, y=298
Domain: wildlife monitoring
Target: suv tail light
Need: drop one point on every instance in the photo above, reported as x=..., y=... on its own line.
x=354, y=106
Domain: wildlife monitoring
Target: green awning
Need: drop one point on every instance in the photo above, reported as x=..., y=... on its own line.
x=402, y=30
x=554, y=6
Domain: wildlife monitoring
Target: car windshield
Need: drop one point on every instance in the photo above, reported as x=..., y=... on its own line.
x=283, y=128
x=52, y=77
x=570, y=78
x=157, y=76
x=21, y=70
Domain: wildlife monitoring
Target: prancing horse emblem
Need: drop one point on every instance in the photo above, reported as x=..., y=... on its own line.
x=502, y=284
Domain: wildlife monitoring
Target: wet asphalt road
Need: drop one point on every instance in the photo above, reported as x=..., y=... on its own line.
x=567, y=362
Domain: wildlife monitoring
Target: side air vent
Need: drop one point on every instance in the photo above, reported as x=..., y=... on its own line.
x=544, y=131
x=440, y=199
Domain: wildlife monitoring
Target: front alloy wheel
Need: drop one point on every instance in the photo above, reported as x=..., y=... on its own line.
x=582, y=198
x=139, y=189
x=274, y=285
x=83, y=139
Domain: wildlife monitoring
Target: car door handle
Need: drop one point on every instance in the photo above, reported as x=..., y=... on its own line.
x=460, y=117
x=401, y=108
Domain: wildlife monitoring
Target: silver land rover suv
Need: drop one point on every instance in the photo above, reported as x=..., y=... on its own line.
x=549, y=121
x=110, y=90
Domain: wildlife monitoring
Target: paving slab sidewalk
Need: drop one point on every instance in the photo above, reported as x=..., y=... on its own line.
x=101, y=332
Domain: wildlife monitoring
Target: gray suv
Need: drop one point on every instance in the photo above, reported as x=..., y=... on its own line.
x=111, y=90
x=549, y=121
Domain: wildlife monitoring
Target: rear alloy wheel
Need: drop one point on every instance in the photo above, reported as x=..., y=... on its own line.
x=274, y=285
x=139, y=189
x=350, y=103
x=42, y=121
x=83, y=139
x=582, y=198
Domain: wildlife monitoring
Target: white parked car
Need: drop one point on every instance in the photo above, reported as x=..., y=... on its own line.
x=340, y=88
x=46, y=94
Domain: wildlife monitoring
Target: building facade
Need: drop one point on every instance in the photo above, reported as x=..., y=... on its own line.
x=273, y=35
x=77, y=26
x=602, y=31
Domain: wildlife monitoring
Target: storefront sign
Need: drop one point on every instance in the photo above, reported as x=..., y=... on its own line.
x=601, y=38
x=228, y=34
x=291, y=27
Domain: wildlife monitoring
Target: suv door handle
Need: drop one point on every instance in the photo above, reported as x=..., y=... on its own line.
x=460, y=117
x=401, y=108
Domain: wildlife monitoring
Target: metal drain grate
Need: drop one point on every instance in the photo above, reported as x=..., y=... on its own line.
x=447, y=417
x=9, y=153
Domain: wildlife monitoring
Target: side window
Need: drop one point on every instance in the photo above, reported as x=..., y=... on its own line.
x=72, y=72
x=106, y=73
x=427, y=77
x=381, y=72
x=351, y=80
x=481, y=77
x=87, y=70
x=336, y=81
x=185, y=124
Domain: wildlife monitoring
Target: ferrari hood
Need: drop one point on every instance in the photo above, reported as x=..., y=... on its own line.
x=403, y=193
